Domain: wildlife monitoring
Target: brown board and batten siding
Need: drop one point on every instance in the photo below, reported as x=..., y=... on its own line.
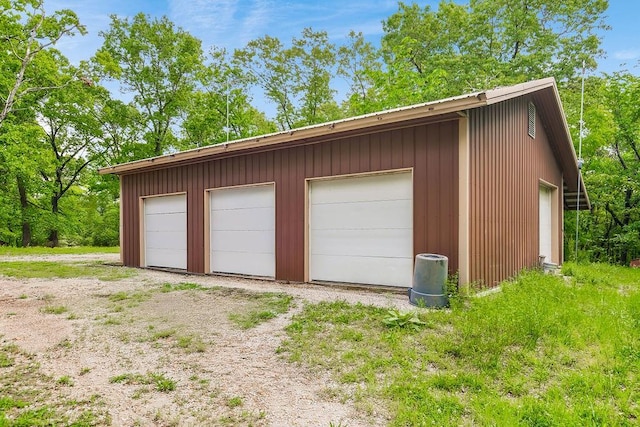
x=431, y=150
x=483, y=188
x=507, y=167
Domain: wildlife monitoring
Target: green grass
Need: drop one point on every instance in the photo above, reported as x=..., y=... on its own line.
x=543, y=352
x=185, y=286
x=234, y=402
x=163, y=334
x=192, y=343
x=54, y=309
x=261, y=307
x=128, y=299
x=69, y=250
x=51, y=269
x=26, y=397
x=65, y=380
x=158, y=380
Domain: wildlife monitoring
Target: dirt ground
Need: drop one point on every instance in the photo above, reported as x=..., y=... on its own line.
x=233, y=377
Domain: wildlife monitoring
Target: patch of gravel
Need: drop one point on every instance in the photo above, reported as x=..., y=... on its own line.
x=235, y=377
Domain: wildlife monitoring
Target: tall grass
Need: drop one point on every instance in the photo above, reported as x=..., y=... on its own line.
x=544, y=351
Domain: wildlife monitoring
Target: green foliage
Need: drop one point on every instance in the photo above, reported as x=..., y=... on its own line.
x=29, y=33
x=359, y=62
x=398, y=319
x=220, y=109
x=459, y=48
x=611, y=149
x=158, y=64
x=544, y=351
x=296, y=78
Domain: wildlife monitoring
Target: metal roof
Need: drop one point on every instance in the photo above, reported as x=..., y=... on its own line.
x=544, y=93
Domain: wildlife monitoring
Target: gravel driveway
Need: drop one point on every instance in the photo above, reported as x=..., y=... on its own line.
x=112, y=335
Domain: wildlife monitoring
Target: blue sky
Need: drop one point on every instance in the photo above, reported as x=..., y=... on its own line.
x=232, y=23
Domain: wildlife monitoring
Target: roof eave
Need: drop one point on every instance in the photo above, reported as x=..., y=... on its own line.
x=334, y=128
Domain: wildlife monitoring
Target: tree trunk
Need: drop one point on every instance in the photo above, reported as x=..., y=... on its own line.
x=53, y=238
x=24, y=205
x=53, y=233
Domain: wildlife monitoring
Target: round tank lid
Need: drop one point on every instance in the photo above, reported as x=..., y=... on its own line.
x=434, y=257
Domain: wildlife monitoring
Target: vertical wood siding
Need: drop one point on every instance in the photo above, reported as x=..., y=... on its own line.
x=431, y=149
x=506, y=166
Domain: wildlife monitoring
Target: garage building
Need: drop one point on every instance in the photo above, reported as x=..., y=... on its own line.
x=482, y=178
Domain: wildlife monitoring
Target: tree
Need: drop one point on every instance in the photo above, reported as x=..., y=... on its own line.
x=316, y=59
x=159, y=65
x=20, y=159
x=464, y=47
x=27, y=31
x=220, y=109
x=612, y=168
x=73, y=139
x=297, y=79
x=359, y=62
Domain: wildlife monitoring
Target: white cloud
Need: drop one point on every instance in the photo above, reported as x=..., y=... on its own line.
x=257, y=20
x=626, y=54
x=214, y=22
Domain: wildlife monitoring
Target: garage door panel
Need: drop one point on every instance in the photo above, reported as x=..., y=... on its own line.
x=167, y=240
x=243, y=263
x=388, y=271
x=166, y=222
x=244, y=241
x=244, y=197
x=361, y=229
x=165, y=231
x=362, y=215
x=164, y=258
x=370, y=243
x=165, y=204
x=355, y=189
x=261, y=218
x=242, y=230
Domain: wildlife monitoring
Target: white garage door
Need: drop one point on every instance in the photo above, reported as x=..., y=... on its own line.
x=165, y=231
x=361, y=229
x=242, y=230
x=546, y=223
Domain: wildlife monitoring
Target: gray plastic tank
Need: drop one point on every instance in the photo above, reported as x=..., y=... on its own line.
x=430, y=281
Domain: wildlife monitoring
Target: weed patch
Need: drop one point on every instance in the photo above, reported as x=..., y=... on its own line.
x=54, y=309
x=543, y=351
x=261, y=307
x=123, y=299
x=168, y=287
x=191, y=343
x=158, y=380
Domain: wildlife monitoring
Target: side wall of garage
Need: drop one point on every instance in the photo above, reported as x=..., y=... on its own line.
x=431, y=150
x=507, y=169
